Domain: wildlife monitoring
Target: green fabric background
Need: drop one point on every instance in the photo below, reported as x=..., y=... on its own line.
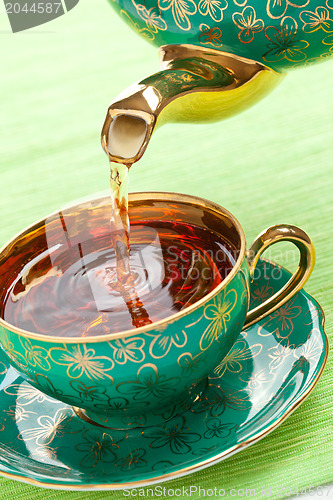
x=272, y=164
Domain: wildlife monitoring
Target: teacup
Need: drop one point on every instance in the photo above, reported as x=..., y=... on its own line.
x=160, y=368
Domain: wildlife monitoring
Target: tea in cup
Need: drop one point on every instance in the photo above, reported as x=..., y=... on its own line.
x=116, y=353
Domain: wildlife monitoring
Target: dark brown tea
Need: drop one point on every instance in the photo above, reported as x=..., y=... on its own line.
x=62, y=279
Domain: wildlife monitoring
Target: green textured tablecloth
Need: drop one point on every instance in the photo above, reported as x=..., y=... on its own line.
x=272, y=164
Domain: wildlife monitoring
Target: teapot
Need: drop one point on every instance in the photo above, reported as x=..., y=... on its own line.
x=218, y=57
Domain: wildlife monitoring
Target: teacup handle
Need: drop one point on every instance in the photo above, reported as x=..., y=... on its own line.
x=306, y=263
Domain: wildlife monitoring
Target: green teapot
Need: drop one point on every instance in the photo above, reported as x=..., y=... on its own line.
x=218, y=57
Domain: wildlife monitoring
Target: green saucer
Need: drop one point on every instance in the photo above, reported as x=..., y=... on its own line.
x=270, y=370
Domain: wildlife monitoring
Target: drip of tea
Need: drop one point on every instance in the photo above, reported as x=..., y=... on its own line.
x=122, y=279
x=68, y=289
x=119, y=221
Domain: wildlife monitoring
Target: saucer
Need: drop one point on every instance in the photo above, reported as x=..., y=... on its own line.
x=267, y=374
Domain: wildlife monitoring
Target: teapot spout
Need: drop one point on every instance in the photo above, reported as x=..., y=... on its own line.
x=194, y=85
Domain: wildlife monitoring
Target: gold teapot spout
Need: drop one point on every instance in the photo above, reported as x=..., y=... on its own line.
x=194, y=85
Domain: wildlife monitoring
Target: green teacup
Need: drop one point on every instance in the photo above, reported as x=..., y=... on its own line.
x=159, y=368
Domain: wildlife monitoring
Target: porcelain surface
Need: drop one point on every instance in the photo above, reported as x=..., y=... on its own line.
x=269, y=371
x=280, y=34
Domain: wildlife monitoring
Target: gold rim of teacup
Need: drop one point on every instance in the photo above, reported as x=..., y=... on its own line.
x=140, y=196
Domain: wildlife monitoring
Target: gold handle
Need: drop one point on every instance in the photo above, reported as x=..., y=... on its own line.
x=306, y=263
